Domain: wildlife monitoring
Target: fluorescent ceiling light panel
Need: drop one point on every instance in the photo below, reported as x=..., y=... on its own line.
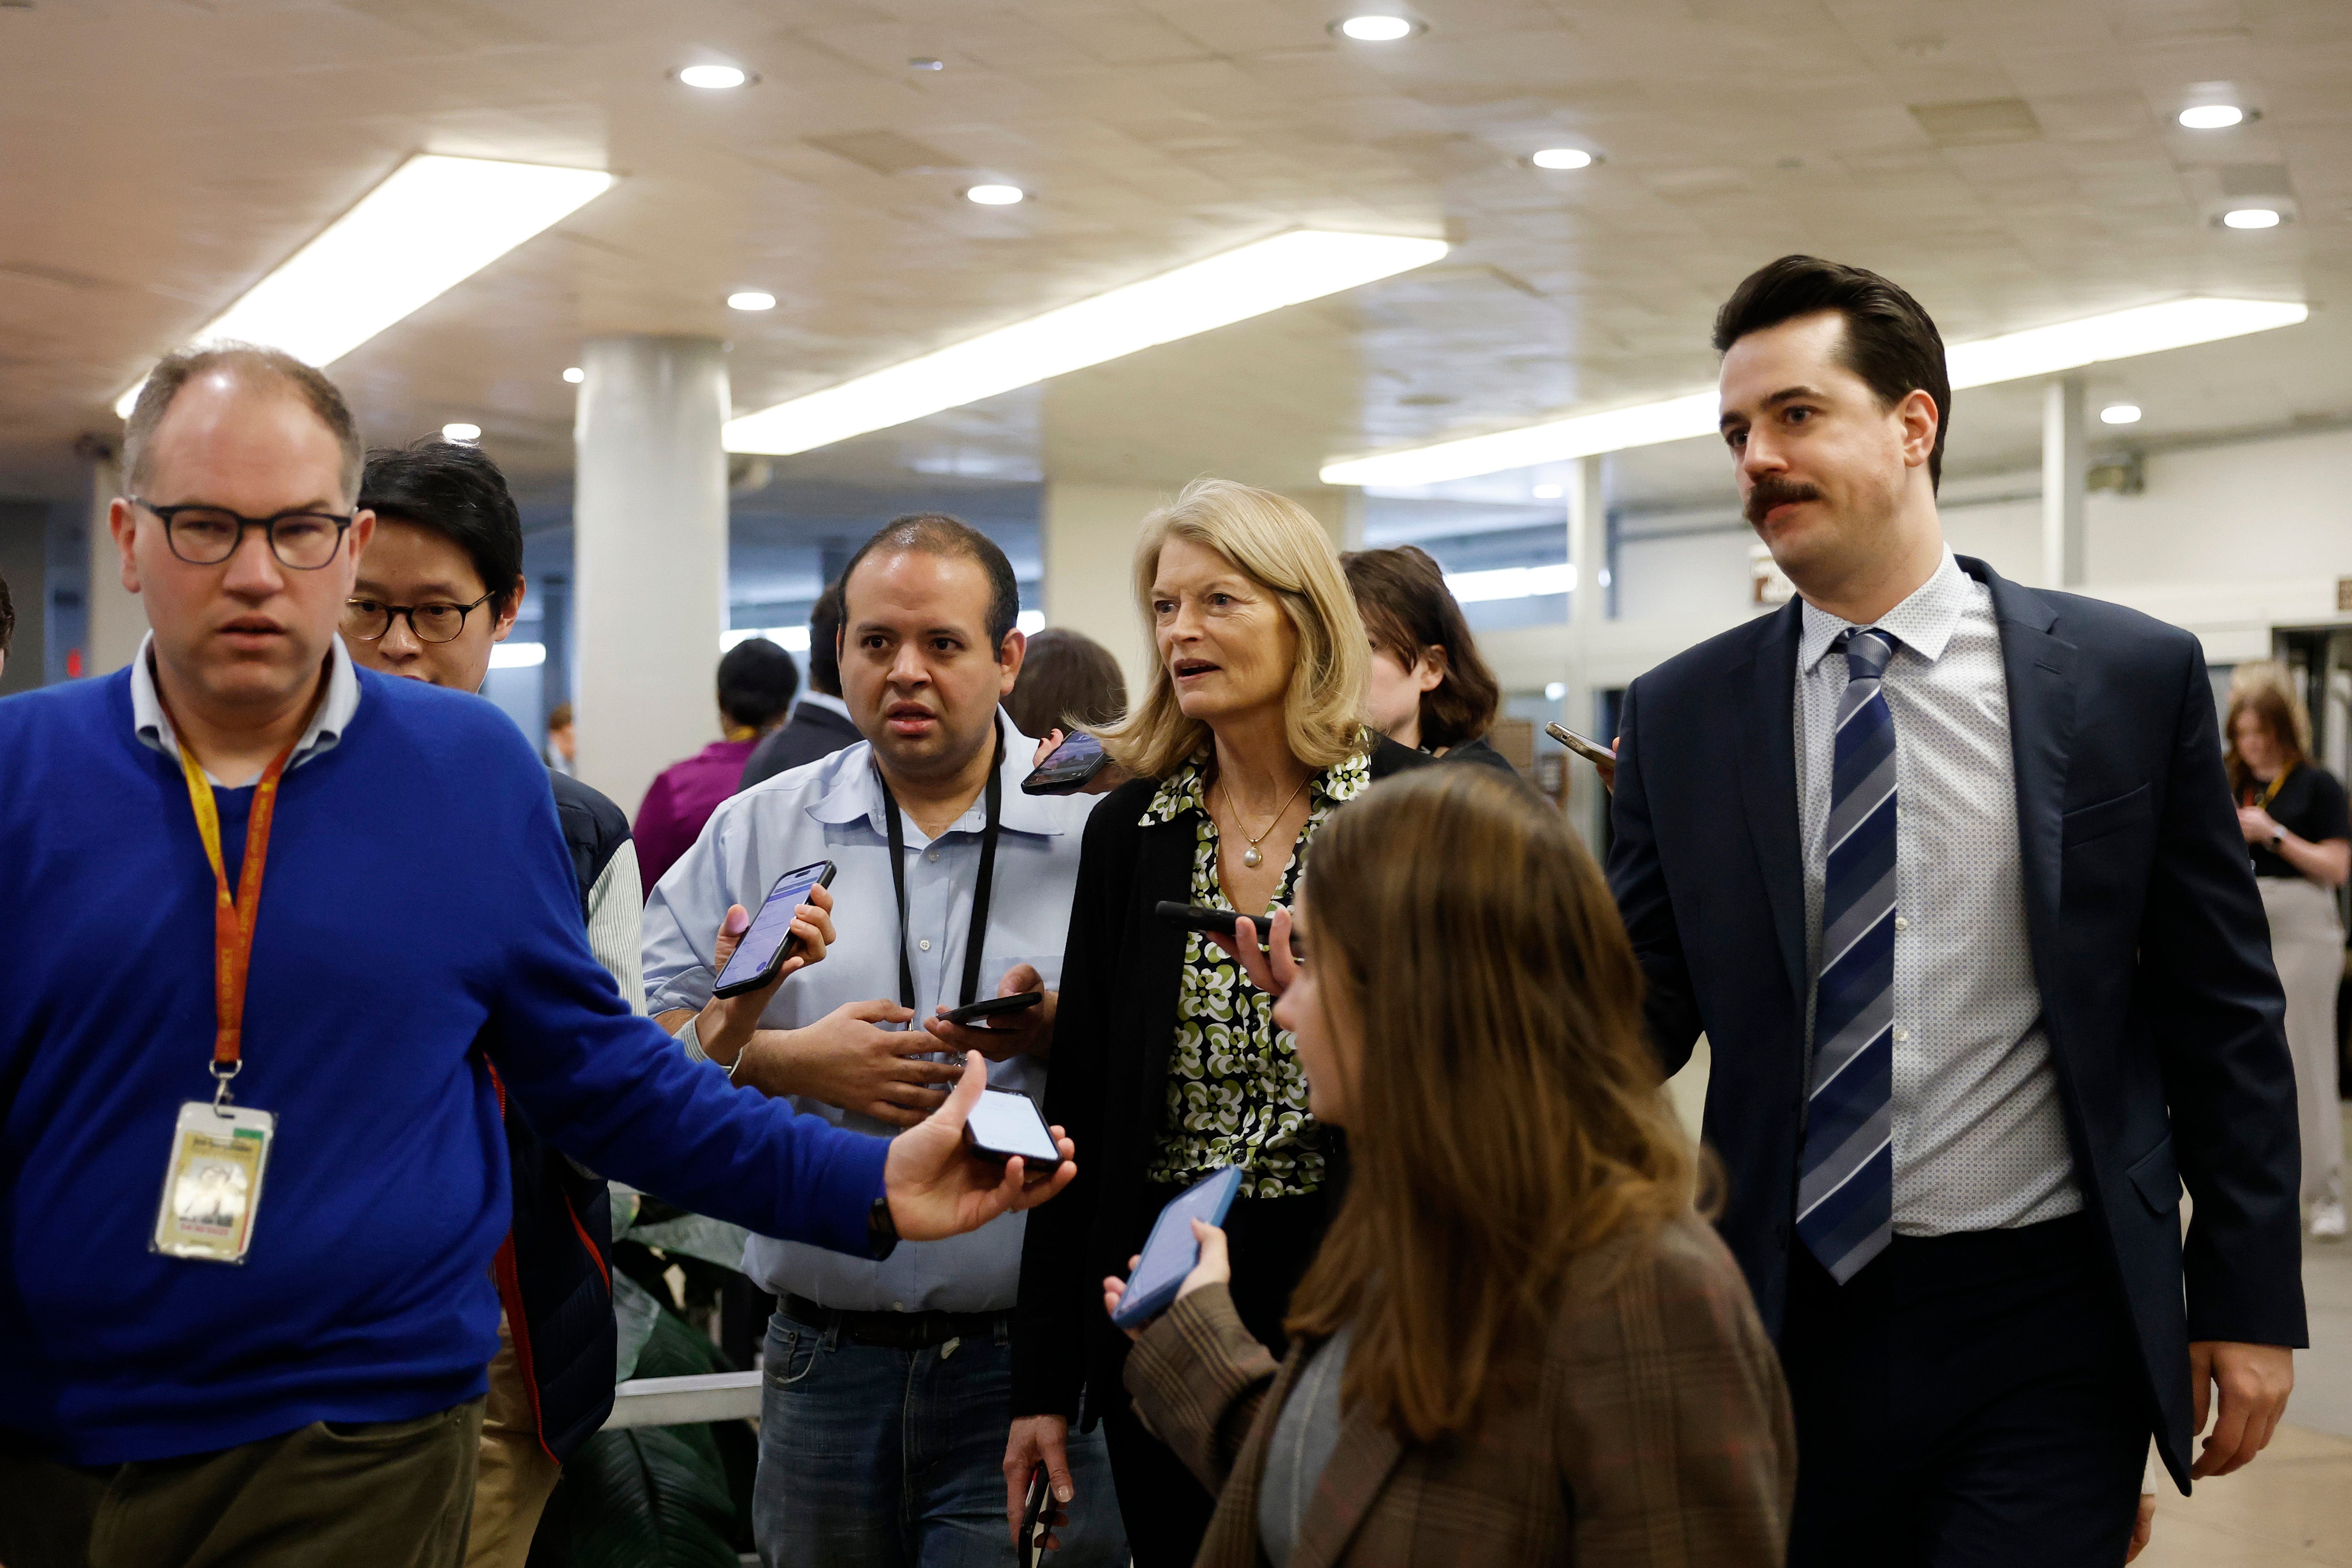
x=1511, y=582
x=517, y=655
x=433, y=224
x=2013, y=356
x=1288, y=269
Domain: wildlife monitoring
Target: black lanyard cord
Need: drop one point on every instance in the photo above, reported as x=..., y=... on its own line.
x=994, y=795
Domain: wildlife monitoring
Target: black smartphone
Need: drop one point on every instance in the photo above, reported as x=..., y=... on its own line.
x=769, y=942
x=1068, y=768
x=995, y=1005
x=1592, y=750
x=1036, y=1517
x=1224, y=921
x=1004, y=1124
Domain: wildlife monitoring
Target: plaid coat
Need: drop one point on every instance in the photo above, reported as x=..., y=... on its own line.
x=1651, y=1427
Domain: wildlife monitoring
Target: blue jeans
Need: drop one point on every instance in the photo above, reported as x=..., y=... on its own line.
x=875, y=1457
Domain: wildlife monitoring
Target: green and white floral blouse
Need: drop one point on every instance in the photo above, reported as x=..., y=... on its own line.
x=1236, y=1094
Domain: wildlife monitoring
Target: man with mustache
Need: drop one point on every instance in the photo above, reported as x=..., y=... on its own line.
x=888, y=1392
x=1947, y=870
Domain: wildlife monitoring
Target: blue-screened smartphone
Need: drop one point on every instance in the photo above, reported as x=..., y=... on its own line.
x=1068, y=768
x=769, y=942
x=1171, y=1252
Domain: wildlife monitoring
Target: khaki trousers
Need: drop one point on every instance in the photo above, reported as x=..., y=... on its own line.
x=393, y=1494
x=514, y=1475
x=2308, y=945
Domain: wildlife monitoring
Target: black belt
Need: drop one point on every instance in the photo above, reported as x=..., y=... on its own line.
x=894, y=1331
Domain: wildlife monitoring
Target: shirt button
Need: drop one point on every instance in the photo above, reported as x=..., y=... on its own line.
x=932, y=855
x=1901, y=923
x=926, y=944
x=1903, y=1034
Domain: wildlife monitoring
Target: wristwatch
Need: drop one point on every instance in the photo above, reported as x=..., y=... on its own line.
x=881, y=1230
x=2278, y=840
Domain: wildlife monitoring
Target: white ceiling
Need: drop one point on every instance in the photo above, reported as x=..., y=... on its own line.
x=2011, y=162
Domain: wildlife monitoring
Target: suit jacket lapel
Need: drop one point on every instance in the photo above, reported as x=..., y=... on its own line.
x=1359, y=1466
x=1766, y=689
x=2040, y=671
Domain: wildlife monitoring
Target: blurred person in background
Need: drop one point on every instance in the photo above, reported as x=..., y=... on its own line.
x=1430, y=689
x=562, y=752
x=884, y=1418
x=1068, y=679
x=438, y=587
x=303, y=1381
x=820, y=724
x=7, y=623
x=1520, y=1344
x=2292, y=811
x=1250, y=736
x=756, y=683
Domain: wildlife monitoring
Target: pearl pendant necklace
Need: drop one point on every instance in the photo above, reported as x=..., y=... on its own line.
x=1250, y=856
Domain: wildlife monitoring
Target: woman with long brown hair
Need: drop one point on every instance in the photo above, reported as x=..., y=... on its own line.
x=2292, y=811
x=1520, y=1343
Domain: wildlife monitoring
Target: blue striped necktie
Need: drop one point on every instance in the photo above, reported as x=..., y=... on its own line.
x=1846, y=1197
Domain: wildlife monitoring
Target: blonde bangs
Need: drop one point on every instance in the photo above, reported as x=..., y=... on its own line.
x=1278, y=543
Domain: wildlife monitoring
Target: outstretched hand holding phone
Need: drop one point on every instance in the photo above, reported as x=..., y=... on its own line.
x=939, y=1187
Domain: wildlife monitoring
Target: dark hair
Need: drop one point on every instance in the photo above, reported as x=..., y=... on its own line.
x=936, y=533
x=1406, y=608
x=1890, y=342
x=756, y=683
x=8, y=617
x=252, y=364
x=453, y=489
x=824, y=641
x=1066, y=678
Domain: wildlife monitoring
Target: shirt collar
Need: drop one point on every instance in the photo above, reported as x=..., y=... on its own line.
x=856, y=793
x=154, y=726
x=1923, y=623
x=1185, y=790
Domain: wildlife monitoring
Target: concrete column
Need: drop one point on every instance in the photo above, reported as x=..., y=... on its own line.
x=2065, y=481
x=1089, y=549
x=117, y=619
x=649, y=563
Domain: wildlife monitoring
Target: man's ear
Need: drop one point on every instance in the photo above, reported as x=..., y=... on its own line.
x=506, y=621
x=1009, y=655
x=1921, y=419
x=122, y=522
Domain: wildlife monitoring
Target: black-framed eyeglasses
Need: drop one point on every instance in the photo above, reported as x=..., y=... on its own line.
x=207, y=536
x=369, y=618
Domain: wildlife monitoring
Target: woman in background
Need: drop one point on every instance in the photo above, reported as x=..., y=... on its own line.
x=757, y=680
x=2293, y=813
x=1521, y=1342
x=1430, y=690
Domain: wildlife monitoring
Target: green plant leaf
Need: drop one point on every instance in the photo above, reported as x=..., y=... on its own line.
x=634, y=1313
x=648, y=1497
x=695, y=1236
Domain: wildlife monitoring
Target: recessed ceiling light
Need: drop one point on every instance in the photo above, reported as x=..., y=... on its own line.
x=575, y=375
x=2252, y=218
x=714, y=78
x=2119, y=414
x=996, y=195
x=921, y=64
x=1563, y=158
x=1378, y=29
x=2212, y=116
x=751, y=299
x=1547, y=491
x=461, y=431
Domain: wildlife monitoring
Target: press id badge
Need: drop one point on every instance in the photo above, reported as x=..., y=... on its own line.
x=212, y=1182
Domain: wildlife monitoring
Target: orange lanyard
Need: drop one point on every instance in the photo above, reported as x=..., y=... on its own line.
x=2271, y=794
x=233, y=918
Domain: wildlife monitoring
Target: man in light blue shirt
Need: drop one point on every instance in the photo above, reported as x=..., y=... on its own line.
x=888, y=1390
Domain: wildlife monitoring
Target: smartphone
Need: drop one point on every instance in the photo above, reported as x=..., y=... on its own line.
x=1068, y=768
x=769, y=942
x=1592, y=750
x=1004, y=1124
x=1172, y=1251
x=1224, y=921
x=1036, y=1517
x=996, y=1006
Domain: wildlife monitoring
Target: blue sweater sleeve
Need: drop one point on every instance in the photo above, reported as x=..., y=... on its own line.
x=607, y=1087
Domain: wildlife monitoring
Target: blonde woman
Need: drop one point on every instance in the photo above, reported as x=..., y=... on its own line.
x=1170, y=1064
x=1520, y=1344
x=2292, y=811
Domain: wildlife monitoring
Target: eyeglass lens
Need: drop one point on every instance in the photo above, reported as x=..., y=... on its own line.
x=304, y=540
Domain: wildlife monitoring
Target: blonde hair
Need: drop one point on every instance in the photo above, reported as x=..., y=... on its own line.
x=1507, y=1117
x=1278, y=545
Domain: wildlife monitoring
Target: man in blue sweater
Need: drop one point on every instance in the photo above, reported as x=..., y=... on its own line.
x=253, y=1173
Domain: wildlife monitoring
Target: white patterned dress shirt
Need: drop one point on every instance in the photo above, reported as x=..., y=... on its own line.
x=1979, y=1137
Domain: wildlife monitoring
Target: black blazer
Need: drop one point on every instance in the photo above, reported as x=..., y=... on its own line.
x=811, y=733
x=1113, y=1029
x=2149, y=941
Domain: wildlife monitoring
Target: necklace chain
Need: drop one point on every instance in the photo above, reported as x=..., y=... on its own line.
x=1232, y=806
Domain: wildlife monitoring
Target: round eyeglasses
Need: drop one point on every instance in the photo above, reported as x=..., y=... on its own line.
x=369, y=618
x=207, y=536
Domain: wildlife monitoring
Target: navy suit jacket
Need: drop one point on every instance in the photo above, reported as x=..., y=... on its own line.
x=2148, y=940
